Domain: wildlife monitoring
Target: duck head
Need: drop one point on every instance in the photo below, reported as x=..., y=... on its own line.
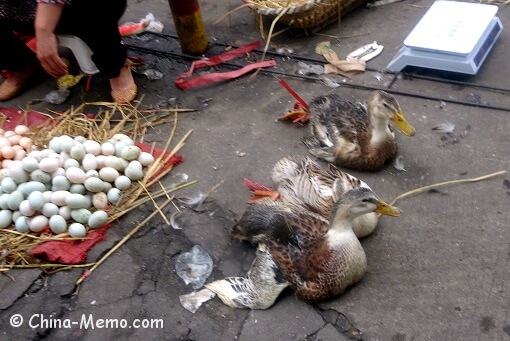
x=382, y=105
x=357, y=202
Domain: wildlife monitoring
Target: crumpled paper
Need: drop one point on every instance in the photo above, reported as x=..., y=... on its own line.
x=346, y=68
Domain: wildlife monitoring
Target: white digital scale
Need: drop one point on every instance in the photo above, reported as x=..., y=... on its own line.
x=452, y=36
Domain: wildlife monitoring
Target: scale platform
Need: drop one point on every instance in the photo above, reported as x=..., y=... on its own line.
x=452, y=36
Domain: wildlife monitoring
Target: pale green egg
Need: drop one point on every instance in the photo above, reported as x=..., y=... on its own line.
x=77, y=230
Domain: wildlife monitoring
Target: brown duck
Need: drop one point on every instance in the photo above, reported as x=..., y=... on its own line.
x=352, y=135
x=317, y=258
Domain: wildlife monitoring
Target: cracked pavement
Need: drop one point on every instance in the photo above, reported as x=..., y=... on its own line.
x=439, y=272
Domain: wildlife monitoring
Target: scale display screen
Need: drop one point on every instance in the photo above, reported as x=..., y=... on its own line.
x=451, y=26
x=451, y=36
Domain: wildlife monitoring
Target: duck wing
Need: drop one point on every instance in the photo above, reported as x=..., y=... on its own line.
x=299, y=245
x=312, y=187
x=345, y=116
x=260, y=220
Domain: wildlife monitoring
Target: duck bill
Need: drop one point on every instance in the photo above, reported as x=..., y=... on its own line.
x=387, y=209
x=403, y=125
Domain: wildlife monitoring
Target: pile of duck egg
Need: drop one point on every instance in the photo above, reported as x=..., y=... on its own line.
x=67, y=186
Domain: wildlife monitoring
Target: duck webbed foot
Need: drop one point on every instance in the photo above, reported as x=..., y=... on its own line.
x=295, y=115
x=260, y=192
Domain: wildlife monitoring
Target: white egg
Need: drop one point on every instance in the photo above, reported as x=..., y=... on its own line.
x=20, y=154
x=35, y=154
x=36, y=200
x=26, y=143
x=59, y=197
x=25, y=209
x=15, y=198
x=40, y=176
x=29, y=163
x=89, y=162
x=106, y=186
x=120, y=137
x=44, y=153
x=92, y=147
x=58, y=224
x=21, y=129
x=28, y=187
x=113, y=162
x=38, y=223
x=77, y=152
x=92, y=174
x=94, y=184
x=4, y=142
x=66, y=143
x=107, y=148
x=16, y=215
x=122, y=164
x=130, y=153
x=8, y=152
x=119, y=146
x=75, y=175
x=99, y=200
x=146, y=159
x=133, y=173
x=114, y=195
x=3, y=201
x=47, y=196
x=108, y=174
x=60, y=183
x=59, y=171
x=135, y=164
x=100, y=161
x=75, y=201
x=49, y=209
x=80, y=139
x=122, y=182
x=64, y=212
x=81, y=215
x=55, y=144
x=18, y=174
x=97, y=219
x=71, y=163
x=5, y=218
x=78, y=189
x=8, y=185
x=77, y=230
x=21, y=224
x=49, y=164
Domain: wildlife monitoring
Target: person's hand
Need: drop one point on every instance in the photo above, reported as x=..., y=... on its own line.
x=47, y=53
x=46, y=20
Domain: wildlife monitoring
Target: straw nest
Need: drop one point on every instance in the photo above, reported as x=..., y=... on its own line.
x=112, y=119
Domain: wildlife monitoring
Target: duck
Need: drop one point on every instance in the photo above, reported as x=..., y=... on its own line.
x=353, y=135
x=317, y=258
x=303, y=182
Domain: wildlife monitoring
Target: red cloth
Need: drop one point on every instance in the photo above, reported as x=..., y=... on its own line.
x=68, y=251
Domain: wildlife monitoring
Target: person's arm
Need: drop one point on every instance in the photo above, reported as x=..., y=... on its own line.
x=46, y=20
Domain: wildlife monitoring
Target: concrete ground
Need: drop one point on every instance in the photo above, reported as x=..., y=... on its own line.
x=441, y=271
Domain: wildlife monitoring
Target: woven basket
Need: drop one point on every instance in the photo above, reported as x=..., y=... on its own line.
x=305, y=13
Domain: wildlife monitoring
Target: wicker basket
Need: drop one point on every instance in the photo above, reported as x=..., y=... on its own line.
x=305, y=13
